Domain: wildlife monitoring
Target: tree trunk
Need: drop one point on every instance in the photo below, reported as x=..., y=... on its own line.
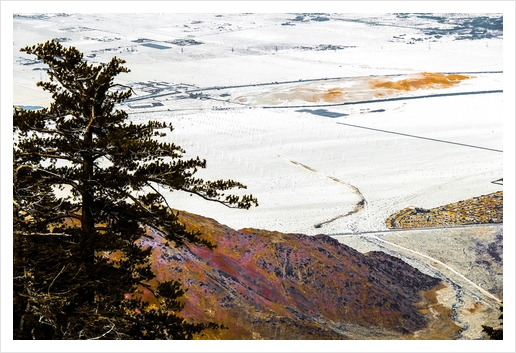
x=87, y=217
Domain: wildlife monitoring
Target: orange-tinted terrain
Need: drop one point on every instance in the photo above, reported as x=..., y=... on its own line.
x=355, y=89
x=425, y=80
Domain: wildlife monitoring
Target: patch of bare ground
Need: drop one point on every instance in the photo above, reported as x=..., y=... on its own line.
x=438, y=311
x=447, y=321
x=477, y=210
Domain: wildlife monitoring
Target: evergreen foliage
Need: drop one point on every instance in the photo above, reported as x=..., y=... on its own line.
x=87, y=186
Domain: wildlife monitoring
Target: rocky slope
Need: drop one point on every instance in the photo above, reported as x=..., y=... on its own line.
x=477, y=210
x=460, y=243
x=270, y=285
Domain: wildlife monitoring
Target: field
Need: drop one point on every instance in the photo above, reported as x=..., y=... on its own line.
x=311, y=130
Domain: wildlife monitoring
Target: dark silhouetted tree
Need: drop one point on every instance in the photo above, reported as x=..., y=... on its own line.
x=87, y=185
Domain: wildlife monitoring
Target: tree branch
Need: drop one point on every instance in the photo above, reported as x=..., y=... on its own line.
x=61, y=216
x=41, y=234
x=160, y=194
x=18, y=169
x=128, y=87
x=61, y=82
x=91, y=120
x=47, y=155
x=48, y=291
x=61, y=179
x=47, y=131
x=208, y=198
x=105, y=333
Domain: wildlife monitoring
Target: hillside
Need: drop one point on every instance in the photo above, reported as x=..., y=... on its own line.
x=270, y=285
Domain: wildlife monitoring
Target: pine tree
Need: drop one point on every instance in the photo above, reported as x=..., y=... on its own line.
x=87, y=186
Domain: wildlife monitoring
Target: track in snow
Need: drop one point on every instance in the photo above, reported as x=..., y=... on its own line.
x=358, y=207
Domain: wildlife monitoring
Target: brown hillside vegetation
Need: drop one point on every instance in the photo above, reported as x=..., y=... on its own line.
x=270, y=285
x=477, y=210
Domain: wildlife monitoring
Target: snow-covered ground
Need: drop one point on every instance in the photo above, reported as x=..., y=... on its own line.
x=310, y=164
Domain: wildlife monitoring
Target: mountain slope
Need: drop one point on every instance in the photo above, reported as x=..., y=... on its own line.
x=272, y=285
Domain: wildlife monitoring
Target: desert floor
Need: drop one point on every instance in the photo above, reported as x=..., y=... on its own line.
x=257, y=100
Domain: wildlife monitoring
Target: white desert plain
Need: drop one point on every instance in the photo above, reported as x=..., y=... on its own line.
x=215, y=87
x=334, y=121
